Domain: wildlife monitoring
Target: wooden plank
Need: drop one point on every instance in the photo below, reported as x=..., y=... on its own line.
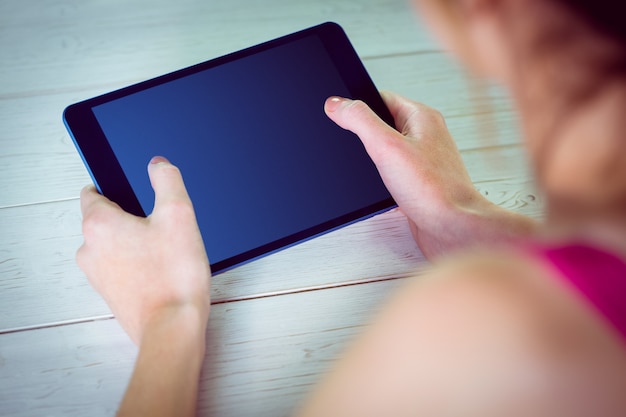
x=40, y=283
x=51, y=45
x=39, y=163
x=262, y=356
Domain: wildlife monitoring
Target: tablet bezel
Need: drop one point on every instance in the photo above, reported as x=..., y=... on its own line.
x=111, y=181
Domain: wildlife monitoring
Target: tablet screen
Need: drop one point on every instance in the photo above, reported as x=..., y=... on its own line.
x=263, y=164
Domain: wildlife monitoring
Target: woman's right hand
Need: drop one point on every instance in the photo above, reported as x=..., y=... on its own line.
x=424, y=172
x=147, y=269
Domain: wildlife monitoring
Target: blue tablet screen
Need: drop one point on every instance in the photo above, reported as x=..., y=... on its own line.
x=260, y=159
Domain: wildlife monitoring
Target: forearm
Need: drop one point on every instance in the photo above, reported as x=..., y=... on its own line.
x=165, y=379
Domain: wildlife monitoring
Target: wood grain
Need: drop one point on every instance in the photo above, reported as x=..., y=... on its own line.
x=55, y=45
x=263, y=356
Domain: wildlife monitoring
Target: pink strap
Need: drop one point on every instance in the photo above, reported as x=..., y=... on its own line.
x=599, y=276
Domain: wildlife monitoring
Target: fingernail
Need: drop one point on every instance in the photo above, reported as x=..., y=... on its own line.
x=334, y=102
x=158, y=160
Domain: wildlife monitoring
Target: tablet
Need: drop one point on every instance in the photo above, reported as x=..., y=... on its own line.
x=264, y=166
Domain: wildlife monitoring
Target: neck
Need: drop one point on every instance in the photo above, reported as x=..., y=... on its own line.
x=579, y=149
x=608, y=233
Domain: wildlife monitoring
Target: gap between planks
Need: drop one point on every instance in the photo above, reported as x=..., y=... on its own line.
x=122, y=84
x=271, y=294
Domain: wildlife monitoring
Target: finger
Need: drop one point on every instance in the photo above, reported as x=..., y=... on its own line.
x=400, y=108
x=89, y=199
x=411, y=116
x=357, y=117
x=167, y=182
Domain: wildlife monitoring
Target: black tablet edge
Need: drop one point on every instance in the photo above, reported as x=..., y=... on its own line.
x=211, y=63
x=335, y=50
x=116, y=188
x=356, y=86
x=297, y=238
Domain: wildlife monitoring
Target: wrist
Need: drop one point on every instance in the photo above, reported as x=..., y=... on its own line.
x=467, y=222
x=171, y=353
x=182, y=327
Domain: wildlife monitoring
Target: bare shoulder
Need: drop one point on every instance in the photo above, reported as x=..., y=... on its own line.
x=522, y=286
x=512, y=305
x=486, y=333
x=495, y=279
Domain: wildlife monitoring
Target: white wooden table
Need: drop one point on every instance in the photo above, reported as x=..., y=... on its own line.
x=277, y=323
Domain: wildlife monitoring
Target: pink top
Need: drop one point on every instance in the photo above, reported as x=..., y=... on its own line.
x=599, y=276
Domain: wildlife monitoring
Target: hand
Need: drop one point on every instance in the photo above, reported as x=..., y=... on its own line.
x=424, y=172
x=146, y=268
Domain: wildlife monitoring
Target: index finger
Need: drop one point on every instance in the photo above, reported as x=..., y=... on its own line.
x=91, y=198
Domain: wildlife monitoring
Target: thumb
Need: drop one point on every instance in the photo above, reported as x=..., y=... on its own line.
x=167, y=183
x=357, y=117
